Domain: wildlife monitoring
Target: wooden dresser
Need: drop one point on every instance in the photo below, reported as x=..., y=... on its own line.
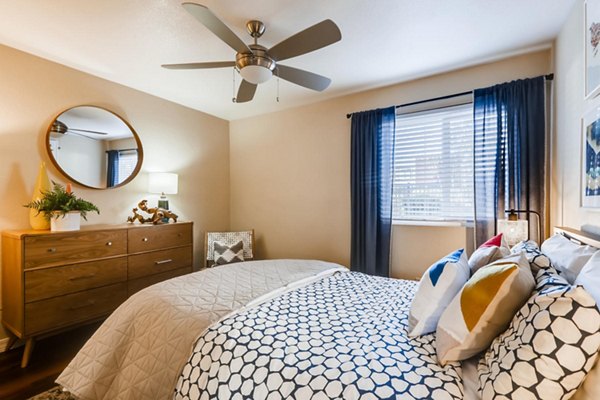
x=56, y=280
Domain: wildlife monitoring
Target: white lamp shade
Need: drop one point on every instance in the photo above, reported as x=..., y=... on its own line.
x=513, y=231
x=162, y=182
x=256, y=74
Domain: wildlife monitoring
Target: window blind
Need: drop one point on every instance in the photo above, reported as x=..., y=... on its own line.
x=433, y=165
x=127, y=162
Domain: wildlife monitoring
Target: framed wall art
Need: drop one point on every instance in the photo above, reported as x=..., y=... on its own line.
x=590, y=159
x=592, y=48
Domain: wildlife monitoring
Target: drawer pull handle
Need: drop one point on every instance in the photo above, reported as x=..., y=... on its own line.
x=86, y=304
x=168, y=260
x=109, y=243
x=145, y=239
x=52, y=250
x=76, y=278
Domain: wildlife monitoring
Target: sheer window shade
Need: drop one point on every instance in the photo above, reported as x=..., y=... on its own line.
x=127, y=163
x=433, y=165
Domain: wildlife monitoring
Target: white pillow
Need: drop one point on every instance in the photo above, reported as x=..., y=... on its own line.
x=589, y=277
x=566, y=256
x=438, y=286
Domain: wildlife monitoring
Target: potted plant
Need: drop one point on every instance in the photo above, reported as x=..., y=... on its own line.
x=62, y=208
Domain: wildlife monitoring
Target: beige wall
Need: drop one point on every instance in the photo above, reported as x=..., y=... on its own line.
x=175, y=139
x=290, y=170
x=570, y=106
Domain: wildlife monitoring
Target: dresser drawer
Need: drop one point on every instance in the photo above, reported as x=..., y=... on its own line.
x=64, y=248
x=50, y=282
x=135, y=285
x=154, y=262
x=157, y=237
x=72, y=308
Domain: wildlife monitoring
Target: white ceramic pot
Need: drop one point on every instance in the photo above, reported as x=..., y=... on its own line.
x=71, y=221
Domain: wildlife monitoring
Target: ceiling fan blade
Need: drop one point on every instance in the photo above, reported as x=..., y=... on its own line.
x=200, y=65
x=86, y=131
x=245, y=92
x=317, y=36
x=303, y=78
x=216, y=26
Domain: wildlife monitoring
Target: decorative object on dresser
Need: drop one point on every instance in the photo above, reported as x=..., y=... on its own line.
x=157, y=215
x=55, y=281
x=228, y=239
x=62, y=208
x=42, y=184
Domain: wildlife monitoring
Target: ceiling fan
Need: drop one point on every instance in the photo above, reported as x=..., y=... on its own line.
x=62, y=128
x=256, y=63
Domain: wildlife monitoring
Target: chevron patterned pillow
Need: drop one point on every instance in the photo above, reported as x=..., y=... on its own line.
x=224, y=254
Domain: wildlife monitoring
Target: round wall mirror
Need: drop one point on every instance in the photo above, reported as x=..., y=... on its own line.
x=94, y=147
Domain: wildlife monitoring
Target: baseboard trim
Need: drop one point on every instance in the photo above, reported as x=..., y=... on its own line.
x=3, y=344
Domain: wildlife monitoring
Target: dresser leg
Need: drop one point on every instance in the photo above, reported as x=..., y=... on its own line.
x=27, y=352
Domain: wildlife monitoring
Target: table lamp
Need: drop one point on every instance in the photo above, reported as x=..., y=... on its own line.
x=515, y=229
x=163, y=183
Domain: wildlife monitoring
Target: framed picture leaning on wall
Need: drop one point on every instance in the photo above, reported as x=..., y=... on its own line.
x=592, y=48
x=590, y=159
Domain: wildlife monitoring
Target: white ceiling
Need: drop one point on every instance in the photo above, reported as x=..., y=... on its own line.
x=383, y=42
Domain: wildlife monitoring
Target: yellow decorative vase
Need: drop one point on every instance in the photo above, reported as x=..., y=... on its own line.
x=39, y=222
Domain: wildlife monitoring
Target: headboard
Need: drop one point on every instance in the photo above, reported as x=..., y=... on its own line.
x=579, y=236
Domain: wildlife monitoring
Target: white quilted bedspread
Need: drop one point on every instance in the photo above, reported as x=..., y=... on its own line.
x=139, y=351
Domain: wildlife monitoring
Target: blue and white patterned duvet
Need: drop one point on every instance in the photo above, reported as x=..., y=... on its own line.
x=344, y=336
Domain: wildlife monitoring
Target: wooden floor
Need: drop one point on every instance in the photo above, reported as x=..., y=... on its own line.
x=50, y=356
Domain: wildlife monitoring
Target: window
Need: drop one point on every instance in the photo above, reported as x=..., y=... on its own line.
x=433, y=165
x=127, y=162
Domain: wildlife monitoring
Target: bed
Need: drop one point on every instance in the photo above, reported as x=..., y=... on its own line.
x=273, y=329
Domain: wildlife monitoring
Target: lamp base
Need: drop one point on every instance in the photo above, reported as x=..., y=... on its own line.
x=163, y=203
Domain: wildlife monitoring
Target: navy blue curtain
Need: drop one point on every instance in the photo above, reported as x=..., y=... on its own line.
x=372, y=157
x=112, y=170
x=510, y=130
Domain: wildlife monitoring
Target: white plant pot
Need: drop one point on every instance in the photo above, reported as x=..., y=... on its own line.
x=71, y=221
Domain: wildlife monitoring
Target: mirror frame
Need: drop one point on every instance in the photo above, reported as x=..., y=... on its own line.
x=140, y=150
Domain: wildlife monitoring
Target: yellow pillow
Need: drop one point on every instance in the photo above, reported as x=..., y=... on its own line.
x=483, y=308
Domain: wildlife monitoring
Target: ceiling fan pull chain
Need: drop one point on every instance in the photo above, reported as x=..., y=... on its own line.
x=278, y=86
x=233, y=87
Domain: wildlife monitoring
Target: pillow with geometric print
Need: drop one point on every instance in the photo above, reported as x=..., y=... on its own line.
x=537, y=259
x=483, y=308
x=549, y=347
x=224, y=254
x=438, y=286
x=492, y=250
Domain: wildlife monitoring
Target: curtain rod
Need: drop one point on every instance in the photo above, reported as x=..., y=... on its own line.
x=133, y=149
x=548, y=77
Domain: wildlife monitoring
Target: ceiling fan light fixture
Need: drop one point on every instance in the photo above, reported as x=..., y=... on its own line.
x=256, y=74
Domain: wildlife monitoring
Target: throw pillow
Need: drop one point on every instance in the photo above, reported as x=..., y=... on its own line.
x=437, y=288
x=549, y=347
x=537, y=259
x=492, y=250
x=567, y=257
x=589, y=277
x=483, y=308
x=224, y=254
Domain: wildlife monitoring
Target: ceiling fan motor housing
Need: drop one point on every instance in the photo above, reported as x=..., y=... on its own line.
x=255, y=67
